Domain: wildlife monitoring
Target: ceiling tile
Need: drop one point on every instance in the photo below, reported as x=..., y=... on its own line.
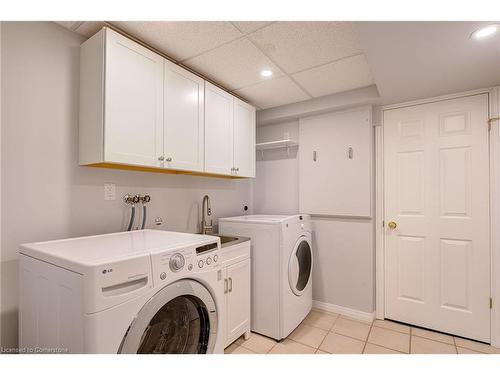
x=234, y=65
x=342, y=75
x=249, y=26
x=70, y=25
x=273, y=93
x=89, y=28
x=296, y=46
x=181, y=40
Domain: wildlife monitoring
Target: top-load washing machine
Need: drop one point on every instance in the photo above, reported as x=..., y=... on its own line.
x=143, y=291
x=282, y=262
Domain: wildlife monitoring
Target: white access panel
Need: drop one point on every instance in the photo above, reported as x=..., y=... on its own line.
x=50, y=305
x=335, y=164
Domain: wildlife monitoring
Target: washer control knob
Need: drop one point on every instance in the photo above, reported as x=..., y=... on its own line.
x=208, y=261
x=177, y=261
x=163, y=275
x=216, y=257
x=200, y=264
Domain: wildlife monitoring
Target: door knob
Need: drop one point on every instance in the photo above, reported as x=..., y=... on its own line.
x=392, y=225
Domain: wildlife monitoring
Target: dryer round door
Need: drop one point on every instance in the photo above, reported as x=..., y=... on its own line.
x=179, y=319
x=300, y=265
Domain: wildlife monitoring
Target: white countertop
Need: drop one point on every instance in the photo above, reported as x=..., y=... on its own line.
x=101, y=249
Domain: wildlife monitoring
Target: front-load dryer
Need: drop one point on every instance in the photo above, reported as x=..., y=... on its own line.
x=143, y=291
x=282, y=262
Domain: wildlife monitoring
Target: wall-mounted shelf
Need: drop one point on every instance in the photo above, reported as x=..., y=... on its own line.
x=283, y=143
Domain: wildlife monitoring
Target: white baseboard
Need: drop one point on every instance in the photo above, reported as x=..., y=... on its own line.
x=355, y=314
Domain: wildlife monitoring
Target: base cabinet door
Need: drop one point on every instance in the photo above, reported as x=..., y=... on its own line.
x=133, y=131
x=237, y=299
x=244, y=139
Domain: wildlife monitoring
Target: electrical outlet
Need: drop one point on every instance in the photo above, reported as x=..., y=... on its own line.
x=109, y=192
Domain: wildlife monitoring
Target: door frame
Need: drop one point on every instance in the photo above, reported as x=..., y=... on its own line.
x=494, y=171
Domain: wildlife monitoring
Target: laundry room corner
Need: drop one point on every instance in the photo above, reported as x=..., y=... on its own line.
x=57, y=198
x=257, y=183
x=341, y=243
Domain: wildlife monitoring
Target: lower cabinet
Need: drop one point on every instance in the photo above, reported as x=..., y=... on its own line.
x=236, y=272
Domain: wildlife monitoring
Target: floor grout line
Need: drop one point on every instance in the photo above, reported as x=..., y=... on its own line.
x=366, y=341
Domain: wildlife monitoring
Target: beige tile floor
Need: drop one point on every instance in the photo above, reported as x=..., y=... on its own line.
x=328, y=333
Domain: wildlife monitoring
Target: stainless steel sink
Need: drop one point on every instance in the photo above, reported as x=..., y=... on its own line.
x=226, y=241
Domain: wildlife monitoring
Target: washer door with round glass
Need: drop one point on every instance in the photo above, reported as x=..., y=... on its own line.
x=179, y=319
x=300, y=266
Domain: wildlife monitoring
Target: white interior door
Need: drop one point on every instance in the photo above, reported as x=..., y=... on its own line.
x=436, y=176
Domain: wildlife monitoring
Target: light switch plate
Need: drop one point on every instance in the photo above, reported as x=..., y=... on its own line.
x=109, y=192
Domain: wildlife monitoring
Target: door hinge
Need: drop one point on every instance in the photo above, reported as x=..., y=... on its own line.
x=491, y=303
x=491, y=120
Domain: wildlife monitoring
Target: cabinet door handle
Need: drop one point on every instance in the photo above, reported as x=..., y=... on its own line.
x=169, y=159
x=161, y=158
x=230, y=284
x=237, y=169
x=315, y=156
x=225, y=286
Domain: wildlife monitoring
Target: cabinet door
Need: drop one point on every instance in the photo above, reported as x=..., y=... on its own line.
x=218, y=130
x=238, y=298
x=183, y=119
x=133, y=115
x=244, y=139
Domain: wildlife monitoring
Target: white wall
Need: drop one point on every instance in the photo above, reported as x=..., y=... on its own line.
x=344, y=249
x=45, y=194
x=277, y=182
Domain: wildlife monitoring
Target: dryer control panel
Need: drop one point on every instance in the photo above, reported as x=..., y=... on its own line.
x=174, y=264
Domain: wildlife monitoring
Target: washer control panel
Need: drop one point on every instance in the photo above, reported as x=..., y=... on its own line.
x=177, y=262
x=174, y=264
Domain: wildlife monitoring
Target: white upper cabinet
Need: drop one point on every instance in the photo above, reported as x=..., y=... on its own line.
x=138, y=109
x=244, y=139
x=183, y=119
x=229, y=134
x=218, y=130
x=133, y=102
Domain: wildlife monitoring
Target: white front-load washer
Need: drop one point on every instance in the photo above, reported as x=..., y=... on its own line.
x=143, y=291
x=282, y=262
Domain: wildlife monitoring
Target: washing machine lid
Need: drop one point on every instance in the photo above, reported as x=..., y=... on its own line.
x=300, y=265
x=261, y=219
x=78, y=254
x=179, y=319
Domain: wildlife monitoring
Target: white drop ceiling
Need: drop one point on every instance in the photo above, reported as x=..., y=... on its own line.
x=234, y=53
x=405, y=60
x=415, y=60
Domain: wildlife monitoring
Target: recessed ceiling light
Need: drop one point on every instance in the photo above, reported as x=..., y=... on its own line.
x=485, y=32
x=266, y=73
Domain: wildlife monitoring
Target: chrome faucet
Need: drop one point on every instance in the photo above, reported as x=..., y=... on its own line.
x=205, y=228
